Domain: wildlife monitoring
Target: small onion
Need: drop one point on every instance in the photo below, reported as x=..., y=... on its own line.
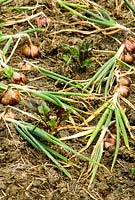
x=19, y=78
x=109, y=140
x=30, y=51
x=26, y=51
x=125, y=81
x=123, y=91
x=10, y=97
x=26, y=66
x=130, y=45
x=128, y=58
x=34, y=51
x=42, y=21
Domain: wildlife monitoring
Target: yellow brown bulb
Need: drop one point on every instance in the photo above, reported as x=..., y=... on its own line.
x=123, y=91
x=10, y=97
x=19, y=78
x=130, y=45
x=30, y=51
x=125, y=81
x=127, y=57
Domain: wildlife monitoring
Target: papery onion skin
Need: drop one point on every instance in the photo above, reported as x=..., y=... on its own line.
x=30, y=51
x=26, y=51
x=125, y=81
x=10, y=97
x=19, y=78
x=128, y=58
x=42, y=21
x=130, y=45
x=34, y=51
x=123, y=91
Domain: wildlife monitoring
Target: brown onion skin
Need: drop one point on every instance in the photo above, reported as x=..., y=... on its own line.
x=19, y=78
x=123, y=107
x=128, y=58
x=34, y=51
x=123, y=91
x=26, y=51
x=27, y=67
x=123, y=57
x=109, y=142
x=10, y=97
x=130, y=45
x=125, y=81
x=42, y=21
x=30, y=51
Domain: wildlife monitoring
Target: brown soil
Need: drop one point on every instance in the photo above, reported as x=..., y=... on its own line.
x=27, y=174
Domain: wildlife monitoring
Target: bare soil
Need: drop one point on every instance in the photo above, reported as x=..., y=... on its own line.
x=27, y=174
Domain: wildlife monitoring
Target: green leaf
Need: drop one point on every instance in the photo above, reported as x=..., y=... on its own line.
x=67, y=58
x=123, y=129
x=131, y=7
x=5, y=1
x=97, y=155
x=73, y=50
x=87, y=62
x=7, y=45
x=133, y=170
x=106, y=15
x=43, y=108
x=100, y=73
x=86, y=46
x=117, y=138
x=3, y=36
x=109, y=79
x=99, y=126
x=52, y=123
x=8, y=72
x=60, y=78
x=24, y=132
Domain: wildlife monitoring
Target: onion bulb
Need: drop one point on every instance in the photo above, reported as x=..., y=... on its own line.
x=127, y=57
x=125, y=81
x=26, y=51
x=19, y=78
x=34, y=51
x=123, y=91
x=130, y=45
x=42, y=21
x=109, y=140
x=10, y=97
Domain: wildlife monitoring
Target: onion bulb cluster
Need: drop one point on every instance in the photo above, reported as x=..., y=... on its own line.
x=30, y=51
x=128, y=54
x=123, y=87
